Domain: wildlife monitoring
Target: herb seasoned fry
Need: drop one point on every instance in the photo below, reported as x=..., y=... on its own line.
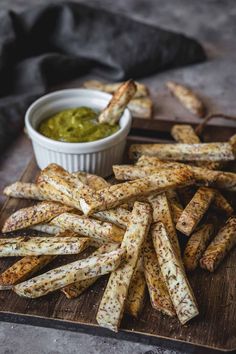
x=196, y=246
x=112, y=113
x=70, y=273
x=89, y=227
x=184, y=152
x=74, y=290
x=176, y=280
x=185, y=134
x=175, y=205
x=162, y=212
x=118, y=285
x=224, y=241
x=187, y=97
x=136, y=294
x=23, y=269
x=23, y=190
x=120, y=193
x=158, y=292
x=26, y=217
x=67, y=188
x=195, y=210
x=222, y=203
x=36, y=246
x=27, y=266
x=203, y=176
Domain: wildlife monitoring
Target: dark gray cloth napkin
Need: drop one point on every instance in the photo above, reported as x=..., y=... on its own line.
x=47, y=45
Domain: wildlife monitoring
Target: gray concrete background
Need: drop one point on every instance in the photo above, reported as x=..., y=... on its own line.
x=214, y=24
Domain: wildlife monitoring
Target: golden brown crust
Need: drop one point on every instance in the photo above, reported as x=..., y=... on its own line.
x=118, y=285
x=176, y=280
x=120, y=193
x=76, y=289
x=162, y=212
x=203, y=176
x=112, y=113
x=23, y=269
x=196, y=246
x=43, y=245
x=184, y=152
x=185, y=134
x=158, y=292
x=23, y=190
x=136, y=294
x=175, y=205
x=33, y=215
x=70, y=273
x=195, y=210
x=224, y=241
x=89, y=227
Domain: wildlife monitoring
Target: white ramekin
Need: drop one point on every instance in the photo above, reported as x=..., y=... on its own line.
x=95, y=157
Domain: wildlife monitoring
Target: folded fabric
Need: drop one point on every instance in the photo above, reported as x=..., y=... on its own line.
x=47, y=45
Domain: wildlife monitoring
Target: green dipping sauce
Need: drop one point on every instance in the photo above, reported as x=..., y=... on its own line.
x=76, y=125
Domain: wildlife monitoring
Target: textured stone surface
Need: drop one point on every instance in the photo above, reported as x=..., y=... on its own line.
x=213, y=22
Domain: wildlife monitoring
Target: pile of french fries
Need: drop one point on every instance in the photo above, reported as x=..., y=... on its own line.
x=172, y=192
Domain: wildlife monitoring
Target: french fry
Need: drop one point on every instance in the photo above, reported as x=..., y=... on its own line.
x=141, y=89
x=26, y=217
x=224, y=241
x=162, y=212
x=176, y=280
x=195, y=210
x=175, y=205
x=204, y=176
x=89, y=227
x=184, y=152
x=67, y=188
x=53, y=194
x=197, y=245
x=118, y=194
x=112, y=113
x=93, y=181
x=23, y=269
x=70, y=273
x=118, y=285
x=23, y=190
x=136, y=294
x=141, y=107
x=74, y=290
x=130, y=172
x=185, y=133
x=222, y=203
x=187, y=97
x=26, y=267
x=62, y=181
x=37, y=246
x=158, y=292
x=118, y=216
x=47, y=228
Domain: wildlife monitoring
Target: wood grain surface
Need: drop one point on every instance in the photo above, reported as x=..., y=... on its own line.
x=214, y=329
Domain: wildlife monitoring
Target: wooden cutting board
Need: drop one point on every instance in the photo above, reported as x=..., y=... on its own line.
x=214, y=329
